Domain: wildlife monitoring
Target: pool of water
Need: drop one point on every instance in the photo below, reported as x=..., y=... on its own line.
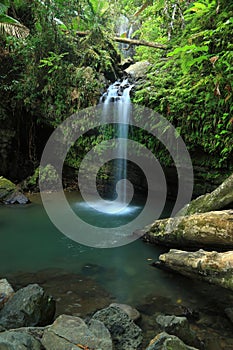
x=30, y=243
x=33, y=250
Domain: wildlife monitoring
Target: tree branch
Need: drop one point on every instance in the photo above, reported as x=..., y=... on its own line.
x=132, y=41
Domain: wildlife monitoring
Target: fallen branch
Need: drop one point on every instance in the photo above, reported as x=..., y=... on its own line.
x=131, y=41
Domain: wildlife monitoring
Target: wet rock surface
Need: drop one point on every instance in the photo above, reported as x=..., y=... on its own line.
x=164, y=341
x=178, y=326
x=130, y=311
x=29, y=306
x=126, y=335
x=68, y=332
x=6, y=291
x=18, y=340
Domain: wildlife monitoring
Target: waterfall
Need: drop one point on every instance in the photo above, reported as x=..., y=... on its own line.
x=124, y=28
x=116, y=102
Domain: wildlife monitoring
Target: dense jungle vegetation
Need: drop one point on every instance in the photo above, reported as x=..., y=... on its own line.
x=49, y=72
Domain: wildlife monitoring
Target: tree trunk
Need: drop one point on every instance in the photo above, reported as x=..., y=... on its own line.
x=131, y=41
x=218, y=199
x=213, y=267
x=213, y=229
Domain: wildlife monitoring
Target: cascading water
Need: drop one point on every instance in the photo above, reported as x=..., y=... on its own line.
x=117, y=102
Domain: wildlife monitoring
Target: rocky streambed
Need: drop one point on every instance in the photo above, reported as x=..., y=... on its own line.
x=69, y=312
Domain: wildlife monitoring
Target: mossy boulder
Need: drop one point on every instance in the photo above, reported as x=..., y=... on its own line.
x=10, y=193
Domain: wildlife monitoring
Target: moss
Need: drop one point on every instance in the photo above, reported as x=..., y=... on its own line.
x=6, y=187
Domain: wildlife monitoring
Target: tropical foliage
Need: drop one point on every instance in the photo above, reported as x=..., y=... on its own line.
x=49, y=72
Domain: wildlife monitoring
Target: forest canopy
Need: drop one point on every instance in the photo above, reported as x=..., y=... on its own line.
x=49, y=72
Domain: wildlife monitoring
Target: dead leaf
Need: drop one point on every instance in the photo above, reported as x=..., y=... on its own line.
x=213, y=59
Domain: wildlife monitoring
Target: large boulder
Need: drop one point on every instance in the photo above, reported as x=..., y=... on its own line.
x=18, y=340
x=164, y=341
x=213, y=267
x=212, y=229
x=10, y=194
x=138, y=70
x=126, y=335
x=70, y=333
x=29, y=306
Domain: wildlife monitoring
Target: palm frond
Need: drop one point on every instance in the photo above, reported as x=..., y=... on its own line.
x=10, y=26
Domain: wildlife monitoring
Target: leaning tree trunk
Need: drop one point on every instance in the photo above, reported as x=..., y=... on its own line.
x=213, y=267
x=211, y=230
x=218, y=199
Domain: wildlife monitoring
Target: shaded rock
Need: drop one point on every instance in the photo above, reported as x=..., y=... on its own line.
x=213, y=267
x=16, y=198
x=126, y=335
x=229, y=313
x=129, y=310
x=15, y=340
x=29, y=306
x=213, y=229
x=6, y=291
x=68, y=331
x=138, y=70
x=10, y=194
x=164, y=341
x=178, y=326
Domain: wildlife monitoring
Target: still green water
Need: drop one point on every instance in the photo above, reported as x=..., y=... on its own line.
x=31, y=243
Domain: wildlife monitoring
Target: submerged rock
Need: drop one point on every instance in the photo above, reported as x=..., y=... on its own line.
x=18, y=340
x=68, y=332
x=29, y=306
x=126, y=335
x=164, y=341
x=213, y=267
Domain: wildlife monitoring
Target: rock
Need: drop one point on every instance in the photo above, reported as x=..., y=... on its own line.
x=218, y=199
x=9, y=194
x=213, y=267
x=164, y=341
x=212, y=229
x=126, y=335
x=138, y=70
x=69, y=331
x=229, y=313
x=6, y=291
x=129, y=310
x=29, y=306
x=16, y=198
x=178, y=326
x=18, y=340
